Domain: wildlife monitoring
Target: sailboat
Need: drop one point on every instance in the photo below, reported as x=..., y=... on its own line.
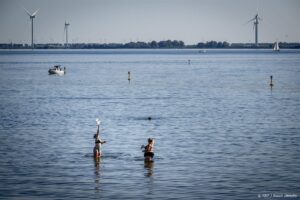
x=276, y=47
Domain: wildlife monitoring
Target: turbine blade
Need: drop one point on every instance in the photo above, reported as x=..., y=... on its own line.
x=26, y=11
x=33, y=14
x=249, y=21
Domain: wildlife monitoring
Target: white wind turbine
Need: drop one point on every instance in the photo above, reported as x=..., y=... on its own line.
x=255, y=26
x=32, y=16
x=66, y=30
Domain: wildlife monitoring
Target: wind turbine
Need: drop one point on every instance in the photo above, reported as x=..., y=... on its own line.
x=255, y=26
x=32, y=16
x=66, y=30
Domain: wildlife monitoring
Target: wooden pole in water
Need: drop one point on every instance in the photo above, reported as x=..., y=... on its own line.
x=271, y=81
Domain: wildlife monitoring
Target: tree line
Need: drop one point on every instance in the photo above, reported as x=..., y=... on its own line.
x=165, y=44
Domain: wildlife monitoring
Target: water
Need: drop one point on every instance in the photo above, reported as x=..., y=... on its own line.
x=221, y=132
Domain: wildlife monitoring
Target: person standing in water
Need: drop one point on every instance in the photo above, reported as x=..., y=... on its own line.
x=149, y=150
x=98, y=143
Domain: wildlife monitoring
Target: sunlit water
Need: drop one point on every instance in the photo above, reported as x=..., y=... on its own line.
x=221, y=132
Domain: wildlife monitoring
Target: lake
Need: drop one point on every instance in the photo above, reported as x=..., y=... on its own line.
x=221, y=132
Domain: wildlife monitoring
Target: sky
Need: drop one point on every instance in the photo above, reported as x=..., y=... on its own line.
x=122, y=21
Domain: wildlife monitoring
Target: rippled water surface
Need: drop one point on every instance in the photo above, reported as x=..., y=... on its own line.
x=221, y=132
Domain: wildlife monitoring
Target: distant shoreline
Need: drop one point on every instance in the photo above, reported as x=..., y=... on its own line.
x=167, y=44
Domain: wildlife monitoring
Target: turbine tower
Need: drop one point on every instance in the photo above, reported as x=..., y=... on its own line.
x=66, y=30
x=255, y=26
x=32, y=16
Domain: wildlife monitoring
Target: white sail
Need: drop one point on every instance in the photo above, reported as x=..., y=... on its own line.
x=276, y=47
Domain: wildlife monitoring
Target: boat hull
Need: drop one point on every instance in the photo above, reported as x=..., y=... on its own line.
x=55, y=71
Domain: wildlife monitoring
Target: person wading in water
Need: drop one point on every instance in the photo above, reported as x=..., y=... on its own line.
x=149, y=150
x=98, y=143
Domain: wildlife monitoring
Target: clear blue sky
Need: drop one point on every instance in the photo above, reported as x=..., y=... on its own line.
x=193, y=21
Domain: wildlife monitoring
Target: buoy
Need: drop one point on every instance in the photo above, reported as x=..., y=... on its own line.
x=271, y=81
x=129, y=78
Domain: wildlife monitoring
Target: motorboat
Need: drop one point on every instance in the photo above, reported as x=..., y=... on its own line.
x=57, y=69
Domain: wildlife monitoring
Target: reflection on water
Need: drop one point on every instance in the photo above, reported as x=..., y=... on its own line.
x=149, y=168
x=97, y=162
